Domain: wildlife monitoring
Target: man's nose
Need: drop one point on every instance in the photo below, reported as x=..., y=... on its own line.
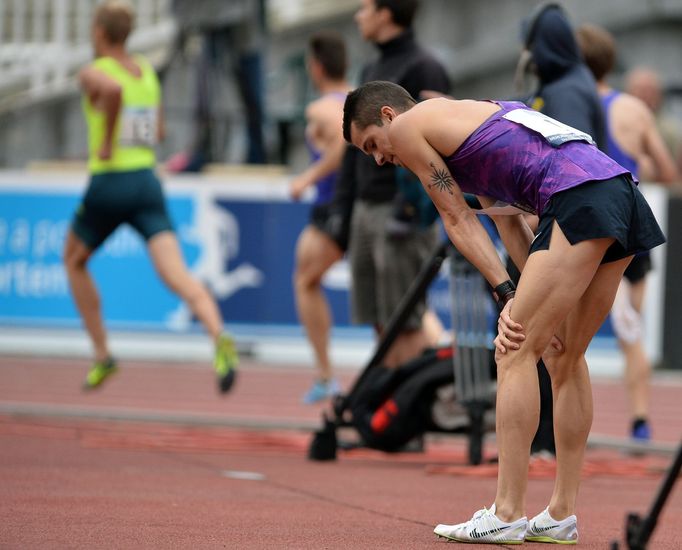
x=379, y=158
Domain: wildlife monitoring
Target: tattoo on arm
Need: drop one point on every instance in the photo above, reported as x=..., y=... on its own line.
x=441, y=179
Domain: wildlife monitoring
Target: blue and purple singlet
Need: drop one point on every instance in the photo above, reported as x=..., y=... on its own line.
x=325, y=186
x=612, y=147
x=522, y=157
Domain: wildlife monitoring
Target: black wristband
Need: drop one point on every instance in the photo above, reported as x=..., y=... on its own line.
x=504, y=292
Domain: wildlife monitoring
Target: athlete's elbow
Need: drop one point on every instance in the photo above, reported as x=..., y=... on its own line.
x=461, y=217
x=459, y=224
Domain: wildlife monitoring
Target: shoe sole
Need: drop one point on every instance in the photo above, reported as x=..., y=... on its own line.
x=453, y=539
x=540, y=538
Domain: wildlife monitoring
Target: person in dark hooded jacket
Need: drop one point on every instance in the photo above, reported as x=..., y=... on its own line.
x=567, y=92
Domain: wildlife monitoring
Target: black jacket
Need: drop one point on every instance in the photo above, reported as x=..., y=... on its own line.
x=567, y=90
x=404, y=62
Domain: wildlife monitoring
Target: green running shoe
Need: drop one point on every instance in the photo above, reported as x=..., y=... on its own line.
x=225, y=362
x=99, y=372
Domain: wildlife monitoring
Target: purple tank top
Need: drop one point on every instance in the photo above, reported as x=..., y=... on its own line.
x=505, y=159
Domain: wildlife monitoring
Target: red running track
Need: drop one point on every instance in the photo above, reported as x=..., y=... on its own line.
x=158, y=460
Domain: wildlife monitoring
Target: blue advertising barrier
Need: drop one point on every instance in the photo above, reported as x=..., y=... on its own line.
x=237, y=235
x=238, y=238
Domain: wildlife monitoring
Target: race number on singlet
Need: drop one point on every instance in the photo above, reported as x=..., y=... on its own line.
x=555, y=132
x=138, y=127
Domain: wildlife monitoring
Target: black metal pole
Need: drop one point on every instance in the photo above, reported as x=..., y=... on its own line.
x=395, y=324
x=638, y=536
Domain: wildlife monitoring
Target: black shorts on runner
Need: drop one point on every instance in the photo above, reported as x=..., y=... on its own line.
x=600, y=209
x=638, y=268
x=319, y=219
x=113, y=198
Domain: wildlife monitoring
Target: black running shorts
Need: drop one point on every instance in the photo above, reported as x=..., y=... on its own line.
x=638, y=268
x=600, y=209
x=319, y=218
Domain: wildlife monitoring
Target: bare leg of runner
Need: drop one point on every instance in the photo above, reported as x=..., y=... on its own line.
x=637, y=365
x=571, y=384
x=170, y=265
x=554, y=283
x=76, y=256
x=315, y=254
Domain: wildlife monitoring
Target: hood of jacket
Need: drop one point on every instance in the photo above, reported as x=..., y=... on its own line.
x=552, y=44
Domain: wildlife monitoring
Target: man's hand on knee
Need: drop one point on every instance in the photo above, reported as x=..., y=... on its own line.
x=509, y=332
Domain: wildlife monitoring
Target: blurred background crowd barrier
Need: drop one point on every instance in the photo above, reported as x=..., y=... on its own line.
x=238, y=228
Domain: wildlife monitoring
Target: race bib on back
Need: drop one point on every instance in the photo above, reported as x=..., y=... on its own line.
x=138, y=127
x=555, y=132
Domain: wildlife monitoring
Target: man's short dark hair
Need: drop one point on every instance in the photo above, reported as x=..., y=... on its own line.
x=402, y=11
x=363, y=106
x=598, y=48
x=329, y=49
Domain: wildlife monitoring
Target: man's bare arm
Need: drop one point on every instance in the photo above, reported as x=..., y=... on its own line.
x=328, y=126
x=106, y=95
x=161, y=125
x=461, y=224
x=515, y=233
x=656, y=149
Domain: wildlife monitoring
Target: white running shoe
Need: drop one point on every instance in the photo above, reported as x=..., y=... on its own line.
x=544, y=528
x=485, y=527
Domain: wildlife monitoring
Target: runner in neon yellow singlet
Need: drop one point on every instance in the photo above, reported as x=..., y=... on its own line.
x=122, y=106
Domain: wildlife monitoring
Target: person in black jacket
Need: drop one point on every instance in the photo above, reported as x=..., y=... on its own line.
x=567, y=92
x=385, y=261
x=566, y=88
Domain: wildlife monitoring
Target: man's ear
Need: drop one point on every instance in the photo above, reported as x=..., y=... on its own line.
x=388, y=112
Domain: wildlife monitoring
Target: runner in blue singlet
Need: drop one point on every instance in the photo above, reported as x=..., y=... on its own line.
x=317, y=250
x=633, y=141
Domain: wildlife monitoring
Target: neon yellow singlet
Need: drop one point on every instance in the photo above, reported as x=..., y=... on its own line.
x=135, y=134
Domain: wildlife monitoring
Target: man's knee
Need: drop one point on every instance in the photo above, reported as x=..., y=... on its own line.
x=75, y=257
x=531, y=349
x=562, y=365
x=72, y=262
x=306, y=278
x=508, y=363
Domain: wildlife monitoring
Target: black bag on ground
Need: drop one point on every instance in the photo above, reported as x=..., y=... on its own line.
x=392, y=406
